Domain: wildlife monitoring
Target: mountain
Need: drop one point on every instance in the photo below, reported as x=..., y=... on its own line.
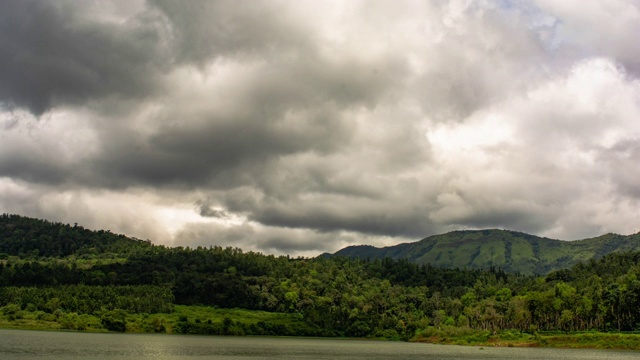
x=60, y=276
x=24, y=237
x=509, y=250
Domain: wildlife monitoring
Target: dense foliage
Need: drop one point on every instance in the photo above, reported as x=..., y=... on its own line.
x=26, y=237
x=43, y=270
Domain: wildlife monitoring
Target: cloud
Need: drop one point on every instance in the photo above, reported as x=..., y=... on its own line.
x=301, y=127
x=136, y=213
x=203, y=31
x=46, y=150
x=532, y=158
x=599, y=29
x=70, y=53
x=206, y=209
x=251, y=236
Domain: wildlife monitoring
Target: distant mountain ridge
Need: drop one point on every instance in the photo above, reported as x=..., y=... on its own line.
x=511, y=251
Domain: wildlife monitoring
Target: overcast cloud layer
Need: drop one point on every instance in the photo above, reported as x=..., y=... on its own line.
x=300, y=127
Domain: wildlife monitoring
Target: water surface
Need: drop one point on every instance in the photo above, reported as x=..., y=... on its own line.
x=22, y=344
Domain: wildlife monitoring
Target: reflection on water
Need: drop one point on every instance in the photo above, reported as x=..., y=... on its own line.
x=20, y=344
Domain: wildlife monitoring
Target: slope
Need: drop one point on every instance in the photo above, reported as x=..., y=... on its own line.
x=27, y=237
x=509, y=250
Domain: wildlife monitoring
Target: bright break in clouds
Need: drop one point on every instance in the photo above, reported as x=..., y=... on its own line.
x=301, y=127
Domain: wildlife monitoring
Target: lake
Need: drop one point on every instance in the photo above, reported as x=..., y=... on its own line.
x=23, y=344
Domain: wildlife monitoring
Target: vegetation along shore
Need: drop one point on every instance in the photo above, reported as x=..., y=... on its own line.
x=60, y=276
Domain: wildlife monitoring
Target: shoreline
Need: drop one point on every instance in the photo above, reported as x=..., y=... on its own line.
x=590, y=340
x=586, y=340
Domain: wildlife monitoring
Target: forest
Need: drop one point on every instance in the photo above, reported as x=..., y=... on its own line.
x=66, y=277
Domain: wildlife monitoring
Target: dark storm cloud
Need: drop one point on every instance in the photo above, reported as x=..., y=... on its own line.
x=206, y=30
x=290, y=103
x=206, y=209
x=508, y=216
x=304, y=126
x=260, y=238
x=285, y=242
x=329, y=198
x=208, y=150
x=36, y=169
x=53, y=54
x=271, y=110
x=384, y=221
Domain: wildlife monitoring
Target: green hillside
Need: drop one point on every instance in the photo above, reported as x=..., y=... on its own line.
x=58, y=276
x=28, y=237
x=509, y=250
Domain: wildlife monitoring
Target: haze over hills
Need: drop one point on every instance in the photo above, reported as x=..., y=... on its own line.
x=509, y=250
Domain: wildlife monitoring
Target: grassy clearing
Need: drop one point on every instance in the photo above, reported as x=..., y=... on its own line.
x=39, y=320
x=208, y=320
x=507, y=338
x=467, y=336
x=212, y=321
x=183, y=320
x=593, y=340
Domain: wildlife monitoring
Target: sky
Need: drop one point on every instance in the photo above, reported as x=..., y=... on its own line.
x=300, y=127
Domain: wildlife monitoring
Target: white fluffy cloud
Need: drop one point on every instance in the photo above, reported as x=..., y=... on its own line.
x=544, y=158
x=301, y=127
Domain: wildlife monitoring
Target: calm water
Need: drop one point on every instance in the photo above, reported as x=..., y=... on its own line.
x=19, y=344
